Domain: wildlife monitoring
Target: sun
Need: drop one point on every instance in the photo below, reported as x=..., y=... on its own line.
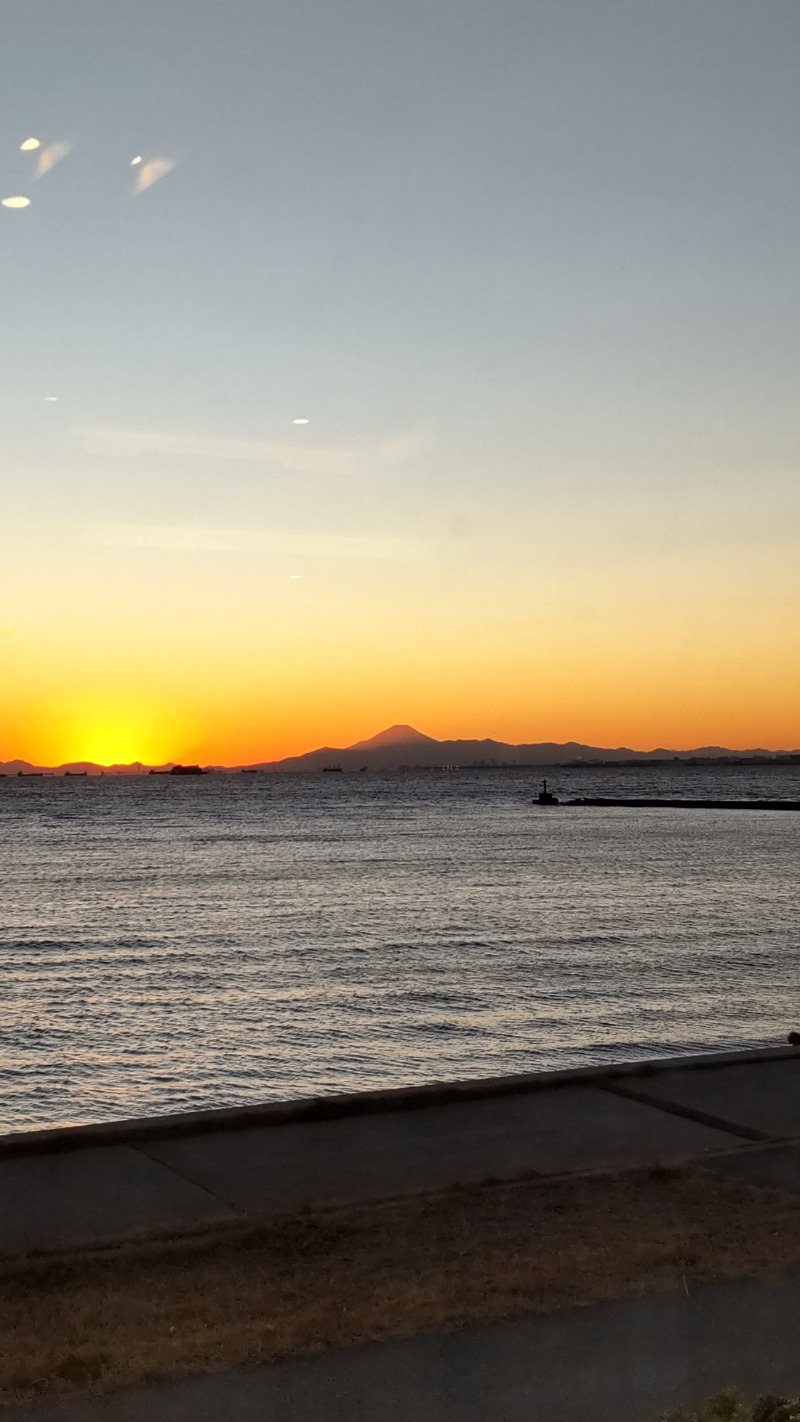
x=112, y=744
x=114, y=733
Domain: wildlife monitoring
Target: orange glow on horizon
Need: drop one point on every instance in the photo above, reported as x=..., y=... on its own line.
x=124, y=731
x=173, y=665
x=103, y=731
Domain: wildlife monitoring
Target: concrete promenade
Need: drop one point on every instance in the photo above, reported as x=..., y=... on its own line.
x=89, y=1186
x=630, y=1358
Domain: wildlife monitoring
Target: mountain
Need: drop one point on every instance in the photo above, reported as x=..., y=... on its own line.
x=394, y=736
x=403, y=747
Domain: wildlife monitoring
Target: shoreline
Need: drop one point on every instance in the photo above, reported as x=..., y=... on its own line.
x=343, y=1105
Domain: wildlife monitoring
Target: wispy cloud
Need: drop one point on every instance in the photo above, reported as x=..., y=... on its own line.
x=276, y=544
x=299, y=457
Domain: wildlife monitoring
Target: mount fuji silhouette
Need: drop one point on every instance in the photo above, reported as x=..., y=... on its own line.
x=403, y=747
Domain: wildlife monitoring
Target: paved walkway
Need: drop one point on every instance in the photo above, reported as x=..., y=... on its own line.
x=626, y=1361
x=88, y=1186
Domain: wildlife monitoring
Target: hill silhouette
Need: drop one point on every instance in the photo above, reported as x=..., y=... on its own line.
x=394, y=736
x=404, y=747
x=77, y=767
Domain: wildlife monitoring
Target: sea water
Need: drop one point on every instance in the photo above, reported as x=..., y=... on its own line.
x=169, y=943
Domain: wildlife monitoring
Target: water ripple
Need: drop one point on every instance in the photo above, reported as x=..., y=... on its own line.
x=176, y=944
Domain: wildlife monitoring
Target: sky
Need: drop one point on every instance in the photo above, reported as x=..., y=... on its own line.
x=528, y=272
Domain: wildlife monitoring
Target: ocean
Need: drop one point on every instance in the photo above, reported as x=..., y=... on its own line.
x=173, y=943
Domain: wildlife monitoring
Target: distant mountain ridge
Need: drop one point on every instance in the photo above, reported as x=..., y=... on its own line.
x=78, y=767
x=403, y=747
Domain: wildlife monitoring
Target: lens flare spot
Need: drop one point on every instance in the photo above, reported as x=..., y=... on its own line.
x=136, y=161
x=50, y=156
x=151, y=172
x=29, y=145
x=299, y=422
x=16, y=202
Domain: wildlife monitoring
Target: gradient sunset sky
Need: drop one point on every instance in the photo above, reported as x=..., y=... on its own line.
x=530, y=272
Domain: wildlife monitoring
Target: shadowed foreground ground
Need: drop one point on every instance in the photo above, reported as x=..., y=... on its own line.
x=298, y=1285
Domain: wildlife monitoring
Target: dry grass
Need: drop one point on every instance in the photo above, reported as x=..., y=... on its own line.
x=732, y=1407
x=306, y=1283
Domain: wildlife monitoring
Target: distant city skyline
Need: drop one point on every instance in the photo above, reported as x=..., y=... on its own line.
x=433, y=362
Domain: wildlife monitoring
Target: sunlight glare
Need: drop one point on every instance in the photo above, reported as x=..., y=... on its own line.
x=29, y=145
x=16, y=202
x=299, y=422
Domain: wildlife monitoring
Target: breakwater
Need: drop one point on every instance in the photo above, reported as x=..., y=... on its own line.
x=658, y=803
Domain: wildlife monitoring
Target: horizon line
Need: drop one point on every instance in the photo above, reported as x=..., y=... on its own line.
x=367, y=747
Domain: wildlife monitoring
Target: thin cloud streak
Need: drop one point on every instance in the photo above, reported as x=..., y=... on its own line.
x=288, y=545
x=298, y=458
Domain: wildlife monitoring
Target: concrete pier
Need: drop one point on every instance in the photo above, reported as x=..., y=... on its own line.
x=654, y=803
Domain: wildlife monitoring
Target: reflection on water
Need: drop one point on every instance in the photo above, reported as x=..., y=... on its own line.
x=168, y=944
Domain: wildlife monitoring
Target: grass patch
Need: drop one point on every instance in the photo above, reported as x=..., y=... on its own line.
x=732, y=1407
x=487, y=1252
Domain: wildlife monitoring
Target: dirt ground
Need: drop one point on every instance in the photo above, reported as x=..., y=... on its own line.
x=112, y=1318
